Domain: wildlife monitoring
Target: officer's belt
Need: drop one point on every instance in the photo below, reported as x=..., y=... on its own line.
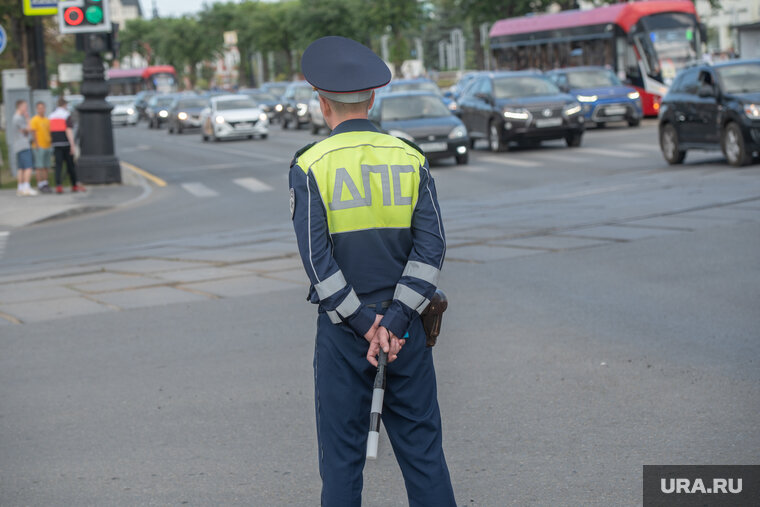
x=381, y=304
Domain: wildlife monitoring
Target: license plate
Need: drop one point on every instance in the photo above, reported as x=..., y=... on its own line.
x=613, y=110
x=548, y=122
x=431, y=147
x=244, y=125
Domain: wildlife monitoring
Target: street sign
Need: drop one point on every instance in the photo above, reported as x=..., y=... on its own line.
x=84, y=16
x=70, y=72
x=3, y=39
x=40, y=7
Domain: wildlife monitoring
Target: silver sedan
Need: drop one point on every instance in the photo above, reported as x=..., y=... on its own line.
x=230, y=116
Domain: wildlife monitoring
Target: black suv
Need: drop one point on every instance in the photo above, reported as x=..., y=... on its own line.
x=713, y=106
x=524, y=106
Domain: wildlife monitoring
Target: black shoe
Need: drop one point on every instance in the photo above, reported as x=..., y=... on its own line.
x=45, y=189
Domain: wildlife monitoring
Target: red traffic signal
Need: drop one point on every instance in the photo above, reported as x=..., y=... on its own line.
x=83, y=16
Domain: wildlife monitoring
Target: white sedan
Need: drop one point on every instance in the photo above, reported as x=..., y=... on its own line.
x=233, y=116
x=124, y=110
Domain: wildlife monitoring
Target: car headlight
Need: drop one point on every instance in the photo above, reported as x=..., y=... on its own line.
x=219, y=119
x=458, y=132
x=401, y=134
x=587, y=98
x=130, y=111
x=263, y=117
x=302, y=109
x=278, y=108
x=752, y=110
x=634, y=95
x=516, y=114
x=163, y=113
x=453, y=106
x=182, y=116
x=572, y=108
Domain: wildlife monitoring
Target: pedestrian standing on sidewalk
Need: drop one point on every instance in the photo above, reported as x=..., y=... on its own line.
x=23, y=149
x=41, y=147
x=62, y=134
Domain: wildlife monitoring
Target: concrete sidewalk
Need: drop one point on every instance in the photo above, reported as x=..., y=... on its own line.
x=20, y=211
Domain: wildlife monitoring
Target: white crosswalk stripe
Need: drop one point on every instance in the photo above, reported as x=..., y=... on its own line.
x=612, y=153
x=253, y=184
x=3, y=239
x=508, y=160
x=199, y=189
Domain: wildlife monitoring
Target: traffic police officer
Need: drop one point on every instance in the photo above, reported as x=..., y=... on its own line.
x=369, y=231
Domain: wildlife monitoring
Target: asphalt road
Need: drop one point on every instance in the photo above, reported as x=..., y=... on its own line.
x=604, y=315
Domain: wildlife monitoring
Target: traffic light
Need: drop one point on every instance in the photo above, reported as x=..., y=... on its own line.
x=84, y=16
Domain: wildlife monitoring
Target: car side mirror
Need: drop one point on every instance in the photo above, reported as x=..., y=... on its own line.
x=564, y=88
x=706, y=90
x=484, y=97
x=449, y=94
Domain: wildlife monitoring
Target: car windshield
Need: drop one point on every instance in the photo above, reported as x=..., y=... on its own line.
x=276, y=90
x=523, y=86
x=164, y=101
x=592, y=79
x=192, y=103
x=226, y=105
x=121, y=100
x=424, y=86
x=262, y=96
x=412, y=107
x=302, y=94
x=743, y=78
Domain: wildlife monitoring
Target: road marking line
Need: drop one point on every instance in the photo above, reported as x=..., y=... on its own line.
x=199, y=189
x=612, y=153
x=642, y=146
x=3, y=238
x=253, y=184
x=507, y=160
x=145, y=174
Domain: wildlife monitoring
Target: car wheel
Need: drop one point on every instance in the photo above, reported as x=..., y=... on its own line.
x=463, y=159
x=495, y=142
x=204, y=137
x=264, y=136
x=250, y=136
x=733, y=146
x=171, y=129
x=179, y=129
x=472, y=143
x=574, y=139
x=634, y=122
x=284, y=124
x=314, y=129
x=669, y=145
x=150, y=124
x=601, y=125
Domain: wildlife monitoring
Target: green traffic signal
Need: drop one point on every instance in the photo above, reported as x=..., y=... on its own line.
x=94, y=14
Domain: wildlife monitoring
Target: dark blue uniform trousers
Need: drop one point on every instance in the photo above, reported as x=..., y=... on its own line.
x=343, y=393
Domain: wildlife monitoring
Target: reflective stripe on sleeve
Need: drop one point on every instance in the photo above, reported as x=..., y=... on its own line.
x=349, y=305
x=422, y=271
x=411, y=298
x=330, y=285
x=334, y=317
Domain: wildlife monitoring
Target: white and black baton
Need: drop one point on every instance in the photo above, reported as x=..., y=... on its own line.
x=377, y=406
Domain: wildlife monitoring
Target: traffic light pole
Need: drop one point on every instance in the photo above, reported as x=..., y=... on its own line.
x=97, y=162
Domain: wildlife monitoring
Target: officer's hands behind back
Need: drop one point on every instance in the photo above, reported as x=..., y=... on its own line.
x=379, y=337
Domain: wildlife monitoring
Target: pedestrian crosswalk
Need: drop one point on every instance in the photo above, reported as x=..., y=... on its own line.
x=204, y=190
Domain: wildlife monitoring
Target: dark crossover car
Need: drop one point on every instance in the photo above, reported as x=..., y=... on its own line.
x=141, y=103
x=601, y=93
x=418, y=84
x=295, y=104
x=713, y=106
x=185, y=113
x=276, y=88
x=157, y=111
x=525, y=107
x=423, y=118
